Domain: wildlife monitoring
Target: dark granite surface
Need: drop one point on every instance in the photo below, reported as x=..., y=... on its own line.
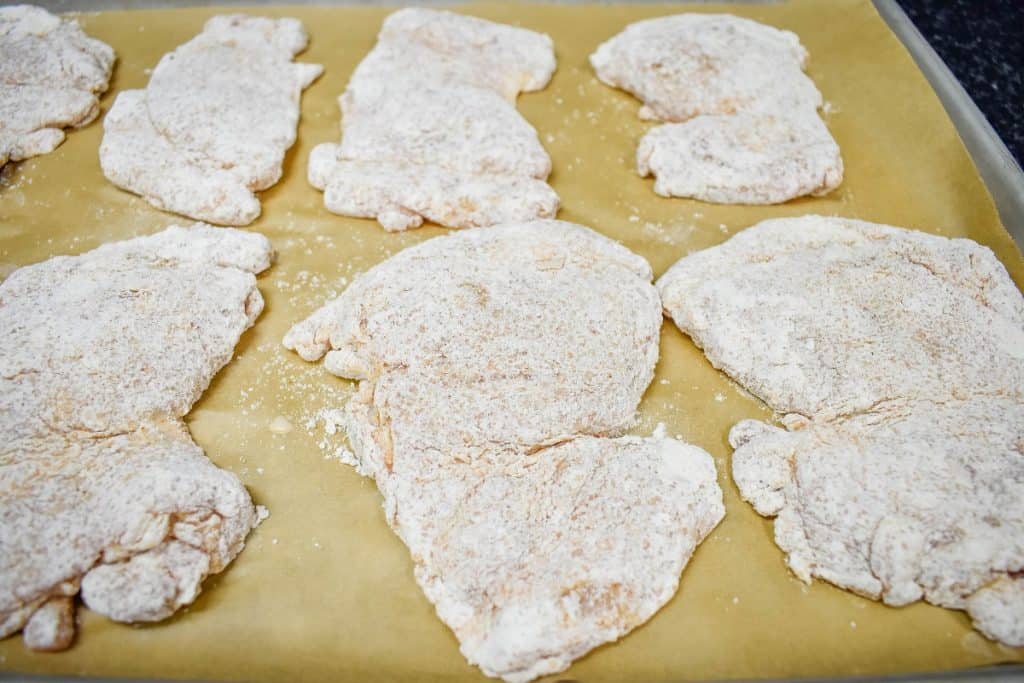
x=982, y=42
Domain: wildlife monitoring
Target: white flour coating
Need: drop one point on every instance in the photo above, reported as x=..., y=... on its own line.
x=690, y=65
x=745, y=128
x=401, y=195
x=453, y=126
x=743, y=158
x=897, y=361
x=454, y=48
x=213, y=125
x=915, y=500
x=528, y=572
x=430, y=129
x=135, y=157
x=849, y=314
x=495, y=368
x=51, y=77
x=101, y=486
x=52, y=627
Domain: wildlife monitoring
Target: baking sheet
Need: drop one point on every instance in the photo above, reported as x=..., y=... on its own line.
x=324, y=590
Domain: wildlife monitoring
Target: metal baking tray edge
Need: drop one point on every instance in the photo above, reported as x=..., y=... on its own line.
x=1000, y=172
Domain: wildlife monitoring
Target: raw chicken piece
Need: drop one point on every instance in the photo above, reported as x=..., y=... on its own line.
x=430, y=129
x=743, y=158
x=213, y=125
x=744, y=124
x=51, y=77
x=897, y=360
x=101, y=486
x=495, y=367
x=914, y=500
x=400, y=195
x=827, y=317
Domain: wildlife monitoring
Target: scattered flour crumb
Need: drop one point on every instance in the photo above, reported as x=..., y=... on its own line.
x=659, y=431
x=720, y=397
x=346, y=456
x=261, y=513
x=333, y=419
x=280, y=425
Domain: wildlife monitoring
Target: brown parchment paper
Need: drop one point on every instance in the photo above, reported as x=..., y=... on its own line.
x=324, y=590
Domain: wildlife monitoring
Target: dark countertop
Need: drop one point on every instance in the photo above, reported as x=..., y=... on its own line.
x=982, y=42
